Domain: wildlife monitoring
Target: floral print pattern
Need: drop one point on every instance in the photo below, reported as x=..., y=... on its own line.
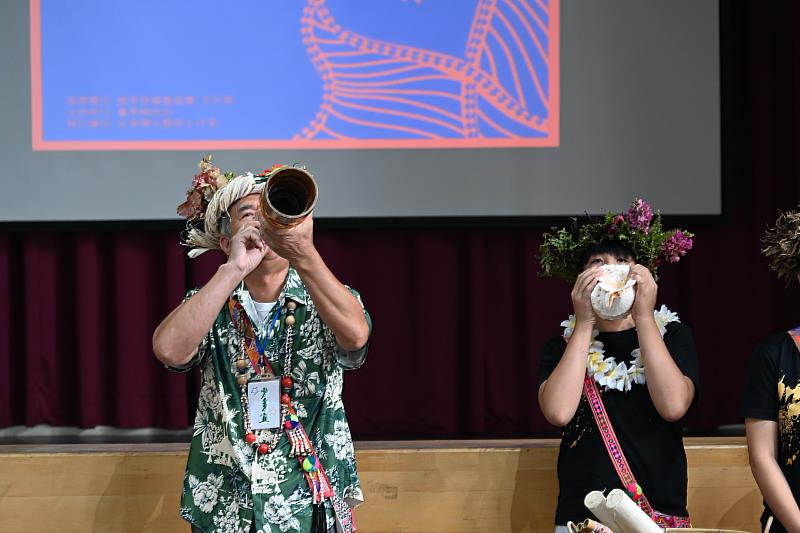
x=205, y=493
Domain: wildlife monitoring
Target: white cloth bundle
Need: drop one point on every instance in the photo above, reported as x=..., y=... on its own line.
x=595, y=501
x=628, y=515
x=620, y=513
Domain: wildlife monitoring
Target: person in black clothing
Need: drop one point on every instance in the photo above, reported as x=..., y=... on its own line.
x=644, y=364
x=771, y=396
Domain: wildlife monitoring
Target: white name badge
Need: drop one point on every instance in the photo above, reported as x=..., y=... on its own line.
x=264, y=399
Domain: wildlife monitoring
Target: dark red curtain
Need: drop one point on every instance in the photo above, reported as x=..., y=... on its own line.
x=459, y=313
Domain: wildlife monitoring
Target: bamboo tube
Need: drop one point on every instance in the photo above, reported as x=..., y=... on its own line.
x=590, y=526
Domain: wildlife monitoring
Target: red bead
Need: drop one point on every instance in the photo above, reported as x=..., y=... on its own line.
x=285, y=400
x=250, y=438
x=263, y=448
x=286, y=382
x=287, y=424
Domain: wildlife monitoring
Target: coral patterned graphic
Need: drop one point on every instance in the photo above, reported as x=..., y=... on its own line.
x=326, y=74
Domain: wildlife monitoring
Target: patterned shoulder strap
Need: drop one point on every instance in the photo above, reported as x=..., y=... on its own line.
x=610, y=440
x=795, y=335
x=620, y=462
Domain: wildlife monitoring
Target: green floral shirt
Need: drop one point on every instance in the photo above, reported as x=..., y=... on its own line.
x=227, y=484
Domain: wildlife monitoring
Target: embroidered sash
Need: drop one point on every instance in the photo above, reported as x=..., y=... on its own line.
x=618, y=458
x=795, y=335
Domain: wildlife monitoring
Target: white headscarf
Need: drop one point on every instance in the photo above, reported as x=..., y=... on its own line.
x=223, y=199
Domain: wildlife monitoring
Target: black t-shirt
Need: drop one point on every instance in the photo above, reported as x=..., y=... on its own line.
x=653, y=446
x=771, y=392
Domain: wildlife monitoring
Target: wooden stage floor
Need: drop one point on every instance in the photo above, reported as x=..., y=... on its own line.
x=409, y=486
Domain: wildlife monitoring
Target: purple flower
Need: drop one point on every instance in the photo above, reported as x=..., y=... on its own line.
x=640, y=215
x=615, y=222
x=676, y=246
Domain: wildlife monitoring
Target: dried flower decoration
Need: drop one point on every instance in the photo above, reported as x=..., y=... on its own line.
x=204, y=185
x=782, y=246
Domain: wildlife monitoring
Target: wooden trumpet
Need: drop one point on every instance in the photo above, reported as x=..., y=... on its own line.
x=289, y=195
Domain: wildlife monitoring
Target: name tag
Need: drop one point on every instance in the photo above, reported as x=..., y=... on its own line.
x=264, y=399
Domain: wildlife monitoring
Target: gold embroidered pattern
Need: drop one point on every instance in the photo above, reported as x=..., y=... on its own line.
x=788, y=420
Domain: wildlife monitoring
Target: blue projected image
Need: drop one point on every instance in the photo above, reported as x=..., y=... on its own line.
x=349, y=73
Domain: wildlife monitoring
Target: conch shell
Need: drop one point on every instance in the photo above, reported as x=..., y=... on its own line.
x=613, y=295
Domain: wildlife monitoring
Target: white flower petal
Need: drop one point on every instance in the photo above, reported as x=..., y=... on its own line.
x=606, y=371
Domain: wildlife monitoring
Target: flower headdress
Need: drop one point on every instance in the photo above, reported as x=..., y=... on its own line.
x=782, y=246
x=207, y=182
x=211, y=195
x=637, y=229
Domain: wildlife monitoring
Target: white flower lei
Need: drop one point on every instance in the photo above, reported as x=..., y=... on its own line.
x=605, y=370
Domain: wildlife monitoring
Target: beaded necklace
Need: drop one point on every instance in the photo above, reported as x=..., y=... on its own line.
x=265, y=440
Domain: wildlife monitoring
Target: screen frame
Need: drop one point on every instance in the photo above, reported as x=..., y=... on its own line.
x=728, y=175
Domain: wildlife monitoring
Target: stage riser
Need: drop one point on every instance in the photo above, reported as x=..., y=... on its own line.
x=408, y=490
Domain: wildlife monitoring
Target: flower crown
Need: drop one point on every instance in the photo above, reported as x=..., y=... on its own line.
x=638, y=229
x=204, y=185
x=782, y=246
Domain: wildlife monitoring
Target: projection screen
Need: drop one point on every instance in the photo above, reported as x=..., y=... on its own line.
x=400, y=108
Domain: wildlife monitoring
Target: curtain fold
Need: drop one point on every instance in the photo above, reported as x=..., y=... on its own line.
x=460, y=315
